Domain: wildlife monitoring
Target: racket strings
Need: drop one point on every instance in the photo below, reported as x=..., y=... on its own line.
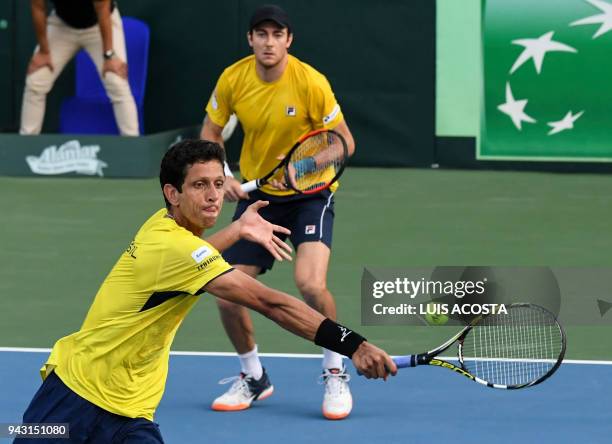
x=317, y=161
x=513, y=349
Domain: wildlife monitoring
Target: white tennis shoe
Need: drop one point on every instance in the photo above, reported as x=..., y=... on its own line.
x=241, y=394
x=337, y=400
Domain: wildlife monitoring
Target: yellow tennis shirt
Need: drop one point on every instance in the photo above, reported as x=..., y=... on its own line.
x=273, y=115
x=118, y=360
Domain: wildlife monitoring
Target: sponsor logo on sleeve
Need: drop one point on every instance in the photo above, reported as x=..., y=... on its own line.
x=202, y=265
x=331, y=116
x=213, y=101
x=201, y=253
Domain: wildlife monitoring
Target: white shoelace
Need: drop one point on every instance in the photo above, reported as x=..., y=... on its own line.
x=239, y=385
x=335, y=384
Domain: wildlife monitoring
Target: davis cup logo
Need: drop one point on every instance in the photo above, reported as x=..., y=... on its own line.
x=547, y=71
x=68, y=158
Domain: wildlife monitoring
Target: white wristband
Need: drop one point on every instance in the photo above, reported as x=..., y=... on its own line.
x=227, y=170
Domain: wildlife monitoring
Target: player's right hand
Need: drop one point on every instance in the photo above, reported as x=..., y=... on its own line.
x=373, y=362
x=232, y=189
x=39, y=60
x=117, y=66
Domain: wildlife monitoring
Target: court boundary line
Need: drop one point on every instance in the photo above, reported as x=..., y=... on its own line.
x=278, y=355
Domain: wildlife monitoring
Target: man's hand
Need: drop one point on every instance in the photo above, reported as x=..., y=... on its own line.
x=117, y=66
x=255, y=228
x=279, y=184
x=233, y=192
x=372, y=362
x=275, y=183
x=39, y=60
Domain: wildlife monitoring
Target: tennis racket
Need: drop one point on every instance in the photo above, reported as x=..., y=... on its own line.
x=506, y=351
x=312, y=165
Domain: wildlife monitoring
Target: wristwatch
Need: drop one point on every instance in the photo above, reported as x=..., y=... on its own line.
x=109, y=54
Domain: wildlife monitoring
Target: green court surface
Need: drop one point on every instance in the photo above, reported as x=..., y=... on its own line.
x=60, y=237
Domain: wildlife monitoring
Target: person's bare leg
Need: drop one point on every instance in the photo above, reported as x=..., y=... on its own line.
x=253, y=384
x=312, y=261
x=310, y=274
x=311, y=266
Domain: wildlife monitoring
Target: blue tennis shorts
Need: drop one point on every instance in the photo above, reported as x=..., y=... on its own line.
x=88, y=423
x=309, y=217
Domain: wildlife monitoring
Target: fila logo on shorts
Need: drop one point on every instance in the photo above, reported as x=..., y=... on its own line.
x=310, y=229
x=290, y=111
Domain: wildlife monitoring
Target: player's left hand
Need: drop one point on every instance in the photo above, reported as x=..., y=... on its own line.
x=373, y=362
x=278, y=185
x=255, y=228
x=117, y=66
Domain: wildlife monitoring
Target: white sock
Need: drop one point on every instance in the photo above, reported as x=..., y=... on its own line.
x=250, y=364
x=331, y=359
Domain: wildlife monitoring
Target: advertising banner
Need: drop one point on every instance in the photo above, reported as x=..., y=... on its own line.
x=547, y=71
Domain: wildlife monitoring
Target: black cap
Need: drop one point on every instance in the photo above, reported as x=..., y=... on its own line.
x=272, y=13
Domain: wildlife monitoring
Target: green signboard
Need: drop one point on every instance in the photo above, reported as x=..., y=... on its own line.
x=547, y=72
x=86, y=155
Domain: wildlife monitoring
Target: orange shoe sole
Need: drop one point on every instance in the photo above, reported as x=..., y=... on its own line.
x=265, y=394
x=336, y=416
x=230, y=408
x=236, y=408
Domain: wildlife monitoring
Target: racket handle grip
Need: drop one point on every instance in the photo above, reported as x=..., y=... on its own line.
x=405, y=361
x=402, y=362
x=249, y=186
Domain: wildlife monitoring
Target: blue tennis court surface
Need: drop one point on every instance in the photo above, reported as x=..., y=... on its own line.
x=419, y=405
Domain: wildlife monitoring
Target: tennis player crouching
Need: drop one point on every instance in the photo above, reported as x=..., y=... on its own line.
x=107, y=379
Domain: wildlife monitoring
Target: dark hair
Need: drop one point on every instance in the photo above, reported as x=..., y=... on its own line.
x=181, y=156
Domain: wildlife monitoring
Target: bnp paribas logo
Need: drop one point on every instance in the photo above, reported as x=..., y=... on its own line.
x=532, y=55
x=71, y=157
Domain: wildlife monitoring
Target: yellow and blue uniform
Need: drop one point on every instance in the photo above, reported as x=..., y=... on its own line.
x=273, y=116
x=118, y=360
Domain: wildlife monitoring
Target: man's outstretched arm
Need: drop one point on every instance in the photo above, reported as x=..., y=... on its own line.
x=297, y=317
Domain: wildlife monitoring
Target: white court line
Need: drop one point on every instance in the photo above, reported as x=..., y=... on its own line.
x=278, y=355
x=25, y=350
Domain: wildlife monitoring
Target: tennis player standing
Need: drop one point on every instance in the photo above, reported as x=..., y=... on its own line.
x=277, y=99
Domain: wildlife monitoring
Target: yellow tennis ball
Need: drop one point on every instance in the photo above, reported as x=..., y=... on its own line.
x=435, y=319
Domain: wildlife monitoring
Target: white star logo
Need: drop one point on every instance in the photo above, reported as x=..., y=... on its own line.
x=564, y=124
x=514, y=109
x=605, y=19
x=536, y=49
